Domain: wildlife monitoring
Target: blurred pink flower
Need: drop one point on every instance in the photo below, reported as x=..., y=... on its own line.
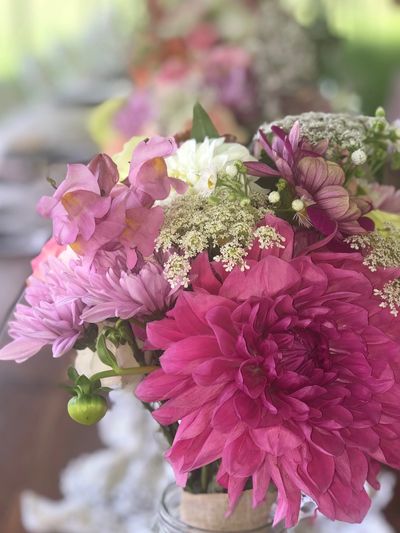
x=384, y=197
x=288, y=372
x=50, y=249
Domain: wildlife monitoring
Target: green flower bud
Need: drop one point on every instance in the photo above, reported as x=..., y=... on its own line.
x=87, y=409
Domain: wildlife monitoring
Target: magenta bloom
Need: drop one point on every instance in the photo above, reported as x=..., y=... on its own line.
x=122, y=294
x=285, y=150
x=52, y=315
x=287, y=372
x=318, y=182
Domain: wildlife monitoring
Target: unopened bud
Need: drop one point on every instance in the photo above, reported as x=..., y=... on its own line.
x=359, y=157
x=231, y=170
x=274, y=197
x=297, y=205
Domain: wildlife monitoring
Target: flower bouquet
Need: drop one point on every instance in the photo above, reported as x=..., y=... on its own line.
x=257, y=292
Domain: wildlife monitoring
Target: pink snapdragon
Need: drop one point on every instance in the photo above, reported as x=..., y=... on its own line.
x=75, y=205
x=92, y=211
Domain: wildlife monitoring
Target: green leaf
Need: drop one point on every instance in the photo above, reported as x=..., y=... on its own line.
x=84, y=385
x=105, y=355
x=72, y=374
x=52, y=182
x=202, y=125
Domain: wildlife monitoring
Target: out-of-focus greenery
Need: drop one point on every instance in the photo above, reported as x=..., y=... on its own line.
x=366, y=52
x=34, y=27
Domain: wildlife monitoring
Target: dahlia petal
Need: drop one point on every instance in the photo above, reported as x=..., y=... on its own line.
x=261, y=481
x=202, y=274
x=163, y=333
x=185, y=355
x=159, y=386
x=191, y=399
x=216, y=370
x=235, y=489
x=63, y=345
x=276, y=440
x=288, y=501
x=267, y=278
x=328, y=442
x=219, y=319
x=321, y=469
x=241, y=457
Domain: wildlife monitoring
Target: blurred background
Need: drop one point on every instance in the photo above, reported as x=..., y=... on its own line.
x=81, y=77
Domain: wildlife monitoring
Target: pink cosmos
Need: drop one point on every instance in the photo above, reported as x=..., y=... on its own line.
x=51, y=315
x=318, y=182
x=287, y=373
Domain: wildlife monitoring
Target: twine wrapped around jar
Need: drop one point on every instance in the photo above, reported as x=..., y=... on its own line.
x=207, y=511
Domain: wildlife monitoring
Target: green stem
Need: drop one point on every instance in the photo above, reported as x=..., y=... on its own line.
x=204, y=479
x=138, y=353
x=133, y=371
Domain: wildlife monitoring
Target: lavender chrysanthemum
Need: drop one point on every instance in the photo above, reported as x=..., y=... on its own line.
x=51, y=315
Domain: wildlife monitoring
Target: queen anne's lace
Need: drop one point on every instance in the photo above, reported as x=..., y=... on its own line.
x=194, y=223
x=380, y=249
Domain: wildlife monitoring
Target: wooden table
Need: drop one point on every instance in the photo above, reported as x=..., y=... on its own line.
x=37, y=438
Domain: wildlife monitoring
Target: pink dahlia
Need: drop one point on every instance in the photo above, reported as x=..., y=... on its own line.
x=286, y=373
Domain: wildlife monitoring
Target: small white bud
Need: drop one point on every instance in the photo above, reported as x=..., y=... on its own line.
x=274, y=197
x=231, y=170
x=359, y=157
x=297, y=205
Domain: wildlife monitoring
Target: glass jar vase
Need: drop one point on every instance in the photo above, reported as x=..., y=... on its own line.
x=169, y=518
